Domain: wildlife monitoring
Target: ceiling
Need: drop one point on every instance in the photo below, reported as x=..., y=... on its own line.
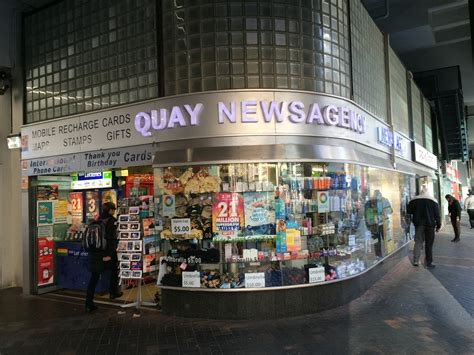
x=429, y=34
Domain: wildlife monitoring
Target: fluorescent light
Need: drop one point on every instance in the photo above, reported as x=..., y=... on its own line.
x=14, y=141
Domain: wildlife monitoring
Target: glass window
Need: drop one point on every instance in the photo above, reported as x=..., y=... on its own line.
x=292, y=223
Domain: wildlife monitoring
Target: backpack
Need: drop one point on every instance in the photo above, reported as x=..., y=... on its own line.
x=95, y=238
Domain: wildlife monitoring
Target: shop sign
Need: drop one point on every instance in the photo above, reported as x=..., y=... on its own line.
x=236, y=113
x=390, y=139
x=316, y=274
x=254, y=280
x=91, y=161
x=424, y=157
x=191, y=279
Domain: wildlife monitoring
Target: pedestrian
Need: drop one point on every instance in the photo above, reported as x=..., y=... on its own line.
x=426, y=218
x=469, y=207
x=104, y=260
x=454, y=209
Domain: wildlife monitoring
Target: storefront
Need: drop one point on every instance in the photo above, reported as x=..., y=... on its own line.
x=258, y=196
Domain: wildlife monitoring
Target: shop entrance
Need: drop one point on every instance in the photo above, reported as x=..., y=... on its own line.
x=63, y=207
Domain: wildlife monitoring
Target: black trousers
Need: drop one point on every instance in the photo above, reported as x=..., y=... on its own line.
x=456, y=227
x=113, y=285
x=471, y=217
x=429, y=240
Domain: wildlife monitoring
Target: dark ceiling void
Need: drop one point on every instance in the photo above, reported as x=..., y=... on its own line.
x=443, y=87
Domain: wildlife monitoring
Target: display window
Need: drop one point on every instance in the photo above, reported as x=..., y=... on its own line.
x=277, y=224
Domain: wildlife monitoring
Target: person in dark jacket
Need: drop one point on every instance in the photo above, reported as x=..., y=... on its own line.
x=100, y=261
x=426, y=217
x=454, y=209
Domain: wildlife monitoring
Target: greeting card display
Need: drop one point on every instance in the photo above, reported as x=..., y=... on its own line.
x=132, y=228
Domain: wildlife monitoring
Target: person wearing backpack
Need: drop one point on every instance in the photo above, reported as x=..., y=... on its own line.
x=102, y=253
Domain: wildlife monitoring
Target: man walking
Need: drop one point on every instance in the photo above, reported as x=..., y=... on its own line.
x=469, y=207
x=425, y=216
x=454, y=209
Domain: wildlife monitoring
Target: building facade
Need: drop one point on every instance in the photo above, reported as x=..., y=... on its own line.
x=304, y=99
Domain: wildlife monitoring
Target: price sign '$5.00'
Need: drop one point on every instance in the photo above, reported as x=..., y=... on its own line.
x=181, y=226
x=191, y=279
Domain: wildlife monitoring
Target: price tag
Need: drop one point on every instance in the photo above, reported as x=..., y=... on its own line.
x=316, y=274
x=191, y=279
x=352, y=240
x=181, y=226
x=255, y=280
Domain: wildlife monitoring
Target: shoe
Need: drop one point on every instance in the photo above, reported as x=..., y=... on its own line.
x=456, y=240
x=453, y=240
x=415, y=264
x=91, y=308
x=430, y=266
x=115, y=295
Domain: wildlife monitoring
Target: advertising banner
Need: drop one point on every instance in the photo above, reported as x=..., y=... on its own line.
x=76, y=207
x=45, y=213
x=60, y=211
x=259, y=211
x=227, y=214
x=92, y=205
x=45, y=261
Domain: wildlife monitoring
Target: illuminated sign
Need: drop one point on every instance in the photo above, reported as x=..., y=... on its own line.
x=424, y=157
x=386, y=137
x=251, y=111
x=93, y=180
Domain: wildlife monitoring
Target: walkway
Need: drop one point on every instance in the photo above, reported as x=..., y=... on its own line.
x=410, y=311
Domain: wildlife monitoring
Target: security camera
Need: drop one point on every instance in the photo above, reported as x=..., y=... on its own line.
x=4, y=82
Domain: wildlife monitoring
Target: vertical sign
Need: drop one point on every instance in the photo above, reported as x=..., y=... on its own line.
x=45, y=261
x=76, y=202
x=92, y=205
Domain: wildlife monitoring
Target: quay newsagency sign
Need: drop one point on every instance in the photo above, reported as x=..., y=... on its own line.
x=202, y=116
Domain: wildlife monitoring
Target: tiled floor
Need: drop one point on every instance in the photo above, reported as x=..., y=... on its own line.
x=410, y=311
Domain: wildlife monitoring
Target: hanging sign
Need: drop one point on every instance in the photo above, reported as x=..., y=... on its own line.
x=424, y=157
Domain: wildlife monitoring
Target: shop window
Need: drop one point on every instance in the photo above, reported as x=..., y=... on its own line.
x=280, y=223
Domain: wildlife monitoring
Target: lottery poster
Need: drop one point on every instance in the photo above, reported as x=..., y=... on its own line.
x=227, y=214
x=92, y=205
